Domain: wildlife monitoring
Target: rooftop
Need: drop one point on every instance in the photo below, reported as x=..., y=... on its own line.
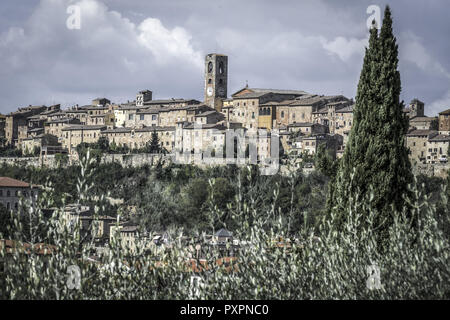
x=422, y=119
x=440, y=137
x=445, y=112
x=84, y=127
x=258, y=92
x=10, y=182
x=416, y=133
x=301, y=124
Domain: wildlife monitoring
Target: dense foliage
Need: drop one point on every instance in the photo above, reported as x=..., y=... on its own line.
x=375, y=160
x=319, y=262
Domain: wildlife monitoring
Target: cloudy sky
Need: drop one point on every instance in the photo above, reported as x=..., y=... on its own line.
x=126, y=46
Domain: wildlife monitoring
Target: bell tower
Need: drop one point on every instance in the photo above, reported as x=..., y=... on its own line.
x=216, y=79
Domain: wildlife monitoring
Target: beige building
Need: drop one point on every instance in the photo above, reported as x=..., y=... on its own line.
x=424, y=123
x=437, y=149
x=307, y=128
x=16, y=123
x=31, y=144
x=189, y=138
x=75, y=134
x=444, y=122
x=128, y=235
x=247, y=103
x=417, y=142
x=54, y=127
x=11, y=190
x=136, y=138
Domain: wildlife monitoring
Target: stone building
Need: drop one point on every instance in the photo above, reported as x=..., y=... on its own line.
x=142, y=97
x=251, y=106
x=216, y=80
x=2, y=127
x=80, y=114
x=100, y=102
x=128, y=234
x=54, y=127
x=172, y=115
x=148, y=117
x=136, y=138
x=208, y=117
x=92, y=227
x=75, y=134
x=444, y=122
x=11, y=190
x=31, y=144
x=416, y=108
x=18, y=119
x=227, y=108
x=437, y=149
x=310, y=143
x=424, y=123
x=417, y=142
x=191, y=138
x=307, y=128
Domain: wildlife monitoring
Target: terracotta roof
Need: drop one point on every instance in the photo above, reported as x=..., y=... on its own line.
x=10, y=182
x=445, y=112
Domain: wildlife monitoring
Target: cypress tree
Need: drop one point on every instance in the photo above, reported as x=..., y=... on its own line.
x=154, y=143
x=375, y=161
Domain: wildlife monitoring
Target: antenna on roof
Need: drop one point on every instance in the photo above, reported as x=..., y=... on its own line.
x=246, y=83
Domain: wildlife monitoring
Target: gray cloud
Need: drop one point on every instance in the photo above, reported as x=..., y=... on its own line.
x=126, y=46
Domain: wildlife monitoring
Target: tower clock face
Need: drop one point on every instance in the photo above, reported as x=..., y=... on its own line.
x=209, y=91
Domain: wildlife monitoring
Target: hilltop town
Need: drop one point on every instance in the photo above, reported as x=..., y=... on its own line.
x=303, y=121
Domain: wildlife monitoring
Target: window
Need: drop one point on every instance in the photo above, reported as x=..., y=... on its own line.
x=141, y=117
x=209, y=81
x=282, y=114
x=130, y=116
x=253, y=115
x=154, y=117
x=1, y=193
x=8, y=193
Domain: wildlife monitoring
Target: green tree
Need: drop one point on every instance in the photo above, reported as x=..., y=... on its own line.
x=154, y=146
x=375, y=160
x=324, y=161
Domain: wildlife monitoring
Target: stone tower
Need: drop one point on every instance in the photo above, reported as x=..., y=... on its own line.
x=216, y=80
x=417, y=108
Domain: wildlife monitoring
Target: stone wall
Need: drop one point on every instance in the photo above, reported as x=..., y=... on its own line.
x=139, y=159
x=432, y=170
x=134, y=160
